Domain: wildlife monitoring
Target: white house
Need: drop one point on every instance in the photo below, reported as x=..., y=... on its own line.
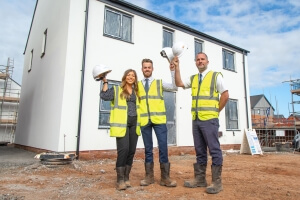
x=60, y=108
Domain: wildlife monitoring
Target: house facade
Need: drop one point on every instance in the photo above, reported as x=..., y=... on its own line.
x=60, y=107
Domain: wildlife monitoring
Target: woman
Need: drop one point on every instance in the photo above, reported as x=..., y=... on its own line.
x=124, y=122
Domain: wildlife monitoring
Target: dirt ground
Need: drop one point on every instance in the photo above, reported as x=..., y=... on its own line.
x=269, y=176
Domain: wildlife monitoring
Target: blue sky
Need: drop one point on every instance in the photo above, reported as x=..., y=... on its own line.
x=269, y=29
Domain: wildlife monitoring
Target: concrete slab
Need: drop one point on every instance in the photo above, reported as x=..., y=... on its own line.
x=10, y=156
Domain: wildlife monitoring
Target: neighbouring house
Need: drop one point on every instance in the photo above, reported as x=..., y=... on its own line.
x=60, y=107
x=9, y=103
x=262, y=112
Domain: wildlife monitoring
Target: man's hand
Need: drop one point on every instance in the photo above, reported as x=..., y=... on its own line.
x=175, y=62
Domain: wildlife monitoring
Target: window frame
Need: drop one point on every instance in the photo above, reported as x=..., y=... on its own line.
x=121, y=25
x=225, y=55
x=30, y=61
x=197, y=41
x=44, y=43
x=105, y=111
x=229, y=118
x=163, y=37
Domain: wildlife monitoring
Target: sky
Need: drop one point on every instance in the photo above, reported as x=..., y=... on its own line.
x=269, y=29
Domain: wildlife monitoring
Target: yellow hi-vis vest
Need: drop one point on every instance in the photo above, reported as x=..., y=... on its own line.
x=118, y=115
x=205, y=100
x=154, y=101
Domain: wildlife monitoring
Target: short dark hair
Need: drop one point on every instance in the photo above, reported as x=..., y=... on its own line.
x=147, y=60
x=203, y=54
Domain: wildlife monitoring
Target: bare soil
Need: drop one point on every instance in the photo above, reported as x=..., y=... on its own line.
x=268, y=176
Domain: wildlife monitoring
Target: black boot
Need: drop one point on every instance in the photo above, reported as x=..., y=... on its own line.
x=199, y=177
x=216, y=185
x=165, y=176
x=126, y=178
x=120, y=178
x=149, y=178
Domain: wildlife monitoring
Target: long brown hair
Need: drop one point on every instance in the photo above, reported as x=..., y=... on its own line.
x=125, y=93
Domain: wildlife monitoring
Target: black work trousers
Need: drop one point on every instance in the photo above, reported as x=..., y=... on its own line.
x=126, y=146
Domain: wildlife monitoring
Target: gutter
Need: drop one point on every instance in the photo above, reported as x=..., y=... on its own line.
x=245, y=87
x=82, y=78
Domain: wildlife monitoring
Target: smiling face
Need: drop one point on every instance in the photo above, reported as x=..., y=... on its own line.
x=201, y=62
x=130, y=78
x=147, y=68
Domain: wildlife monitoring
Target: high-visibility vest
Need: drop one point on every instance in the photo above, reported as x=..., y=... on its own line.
x=118, y=115
x=205, y=100
x=154, y=101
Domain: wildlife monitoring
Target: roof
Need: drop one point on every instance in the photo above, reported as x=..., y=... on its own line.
x=144, y=13
x=256, y=98
x=279, y=116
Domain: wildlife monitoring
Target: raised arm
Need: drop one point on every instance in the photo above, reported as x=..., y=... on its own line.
x=178, y=80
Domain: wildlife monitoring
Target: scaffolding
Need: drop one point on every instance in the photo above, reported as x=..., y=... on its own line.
x=9, y=103
x=295, y=94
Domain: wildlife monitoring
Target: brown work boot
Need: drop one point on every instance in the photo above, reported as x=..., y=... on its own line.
x=126, y=177
x=216, y=185
x=120, y=178
x=149, y=178
x=199, y=177
x=165, y=176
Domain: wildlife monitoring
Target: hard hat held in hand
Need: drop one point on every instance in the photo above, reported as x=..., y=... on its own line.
x=167, y=53
x=100, y=71
x=179, y=48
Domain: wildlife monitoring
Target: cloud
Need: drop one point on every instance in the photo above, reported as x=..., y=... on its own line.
x=269, y=29
x=15, y=22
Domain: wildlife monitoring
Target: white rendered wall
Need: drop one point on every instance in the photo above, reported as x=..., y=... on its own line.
x=42, y=120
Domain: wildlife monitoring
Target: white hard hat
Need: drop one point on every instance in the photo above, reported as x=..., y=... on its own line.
x=167, y=53
x=179, y=48
x=100, y=71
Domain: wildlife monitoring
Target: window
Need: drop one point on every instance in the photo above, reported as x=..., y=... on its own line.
x=167, y=38
x=104, y=108
x=44, y=43
x=228, y=60
x=30, y=61
x=231, y=112
x=198, y=47
x=118, y=25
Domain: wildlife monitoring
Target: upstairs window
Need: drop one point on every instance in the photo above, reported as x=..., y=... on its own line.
x=231, y=112
x=228, y=60
x=167, y=38
x=44, y=43
x=198, y=47
x=118, y=25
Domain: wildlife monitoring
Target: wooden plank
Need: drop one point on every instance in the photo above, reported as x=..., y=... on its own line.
x=10, y=99
x=8, y=121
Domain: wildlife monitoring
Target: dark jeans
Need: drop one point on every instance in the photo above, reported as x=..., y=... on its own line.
x=161, y=132
x=205, y=135
x=126, y=146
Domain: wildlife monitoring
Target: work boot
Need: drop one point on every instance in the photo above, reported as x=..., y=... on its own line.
x=149, y=178
x=120, y=178
x=199, y=177
x=126, y=178
x=165, y=176
x=216, y=185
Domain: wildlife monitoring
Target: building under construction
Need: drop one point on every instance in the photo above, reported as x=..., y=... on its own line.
x=9, y=103
x=272, y=129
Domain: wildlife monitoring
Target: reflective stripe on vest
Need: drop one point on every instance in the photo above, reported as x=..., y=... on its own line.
x=205, y=100
x=118, y=115
x=155, y=101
